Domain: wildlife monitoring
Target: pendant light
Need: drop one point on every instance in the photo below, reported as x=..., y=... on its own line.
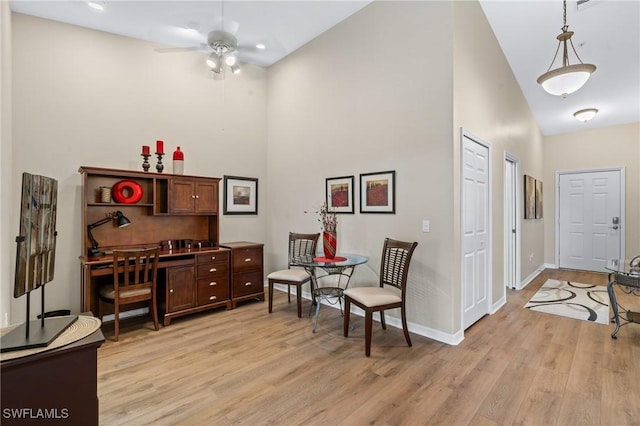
x=567, y=78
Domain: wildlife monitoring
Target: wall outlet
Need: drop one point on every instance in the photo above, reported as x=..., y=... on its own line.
x=531, y=257
x=426, y=226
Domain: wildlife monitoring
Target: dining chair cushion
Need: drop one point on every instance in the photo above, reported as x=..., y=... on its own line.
x=108, y=292
x=372, y=296
x=299, y=275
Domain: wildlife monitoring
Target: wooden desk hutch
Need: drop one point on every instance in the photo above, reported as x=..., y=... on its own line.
x=195, y=274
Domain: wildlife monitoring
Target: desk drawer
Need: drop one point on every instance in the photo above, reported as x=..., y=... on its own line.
x=246, y=283
x=219, y=256
x=247, y=259
x=211, y=269
x=212, y=291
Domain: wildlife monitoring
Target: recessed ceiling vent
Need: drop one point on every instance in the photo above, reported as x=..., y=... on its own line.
x=586, y=4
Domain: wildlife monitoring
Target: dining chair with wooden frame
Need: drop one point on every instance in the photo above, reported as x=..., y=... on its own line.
x=391, y=292
x=299, y=245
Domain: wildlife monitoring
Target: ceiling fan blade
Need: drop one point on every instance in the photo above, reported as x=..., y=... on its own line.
x=202, y=48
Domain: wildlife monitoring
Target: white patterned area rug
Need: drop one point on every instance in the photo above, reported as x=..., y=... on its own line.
x=585, y=302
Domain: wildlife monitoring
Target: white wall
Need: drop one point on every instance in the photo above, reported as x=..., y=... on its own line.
x=7, y=238
x=488, y=103
x=372, y=94
x=91, y=98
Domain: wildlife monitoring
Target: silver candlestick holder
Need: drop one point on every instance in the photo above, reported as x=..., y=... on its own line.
x=145, y=163
x=159, y=165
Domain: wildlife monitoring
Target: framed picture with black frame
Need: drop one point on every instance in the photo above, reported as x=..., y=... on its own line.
x=339, y=194
x=240, y=195
x=378, y=192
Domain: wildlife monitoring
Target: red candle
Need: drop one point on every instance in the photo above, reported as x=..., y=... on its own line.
x=145, y=149
x=159, y=147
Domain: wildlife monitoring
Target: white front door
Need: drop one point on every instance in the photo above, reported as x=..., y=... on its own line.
x=591, y=220
x=475, y=222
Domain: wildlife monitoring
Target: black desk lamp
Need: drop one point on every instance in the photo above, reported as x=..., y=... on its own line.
x=122, y=221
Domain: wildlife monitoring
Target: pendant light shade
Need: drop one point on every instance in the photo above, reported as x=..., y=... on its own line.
x=567, y=78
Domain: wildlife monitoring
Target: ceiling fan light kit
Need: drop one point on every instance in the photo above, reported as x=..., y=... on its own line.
x=214, y=62
x=567, y=78
x=585, y=114
x=230, y=60
x=224, y=46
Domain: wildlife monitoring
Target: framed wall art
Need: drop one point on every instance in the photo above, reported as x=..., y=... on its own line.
x=378, y=192
x=529, y=197
x=339, y=194
x=240, y=195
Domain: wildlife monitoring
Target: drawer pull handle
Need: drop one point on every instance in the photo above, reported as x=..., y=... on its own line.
x=213, y=258
x=197, y=196
x=212, y=283
x=193, y=196
x=171, y=291
x=212, y=270
x=248, y=259
x=212, y=298
x=247, y=284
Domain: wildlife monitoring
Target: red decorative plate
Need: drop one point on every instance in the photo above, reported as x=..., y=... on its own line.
x=327, y=260
x=126, y=192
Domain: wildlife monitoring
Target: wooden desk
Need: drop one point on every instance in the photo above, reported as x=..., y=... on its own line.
x=189, y=280
x=61, y=384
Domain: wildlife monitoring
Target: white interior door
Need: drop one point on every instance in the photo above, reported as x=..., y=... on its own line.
x=475, y=230
x=511, y=259
x=591, y=219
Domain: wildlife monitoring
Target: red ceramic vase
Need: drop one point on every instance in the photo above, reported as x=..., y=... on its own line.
x=329, y=244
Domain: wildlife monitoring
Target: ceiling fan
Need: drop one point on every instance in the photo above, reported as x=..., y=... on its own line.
x=224, y=50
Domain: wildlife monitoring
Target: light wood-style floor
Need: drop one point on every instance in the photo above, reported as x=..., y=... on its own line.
x=246, y=367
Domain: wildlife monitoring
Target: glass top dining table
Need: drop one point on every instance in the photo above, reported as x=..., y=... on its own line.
x=341, y=267
x=340, y=261
x=625, y=275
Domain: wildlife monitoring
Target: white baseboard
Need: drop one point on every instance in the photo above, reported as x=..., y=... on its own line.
x=499, y=304
x=531, y=276
x=450, y=339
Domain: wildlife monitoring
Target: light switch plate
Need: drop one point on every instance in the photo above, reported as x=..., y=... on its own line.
x=425, y=226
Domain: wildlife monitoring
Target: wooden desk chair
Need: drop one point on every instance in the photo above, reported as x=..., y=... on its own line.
x=299, y=245
x=394, y=269
x=134, y=280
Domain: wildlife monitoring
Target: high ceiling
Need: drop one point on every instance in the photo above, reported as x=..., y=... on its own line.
x=607, y=34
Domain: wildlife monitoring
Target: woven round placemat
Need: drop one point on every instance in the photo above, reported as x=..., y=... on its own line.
x=81, y=328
